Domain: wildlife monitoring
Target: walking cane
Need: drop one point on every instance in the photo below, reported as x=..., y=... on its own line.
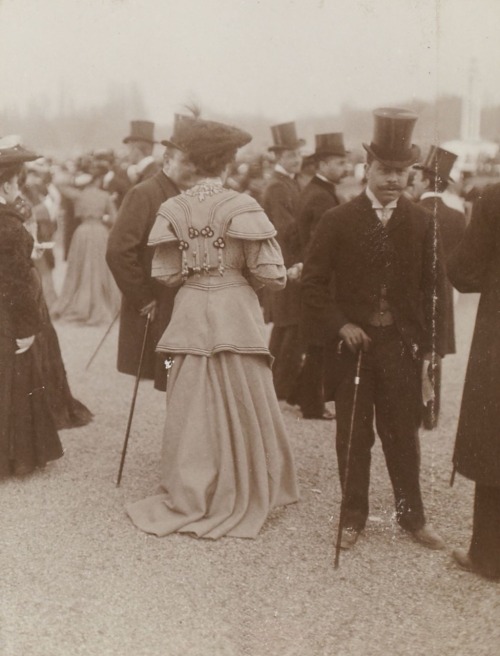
x=134, y=396
x=346, y=475
x=102, y=340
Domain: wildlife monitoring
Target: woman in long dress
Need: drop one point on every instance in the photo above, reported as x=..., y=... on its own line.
x=89, y=294
x=28, y=435
x=226, y=460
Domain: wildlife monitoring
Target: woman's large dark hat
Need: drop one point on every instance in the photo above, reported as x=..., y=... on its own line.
x=328, y=144
x=199, y=137
x=12, y=153
x=391, y=144
x=141, y=131
x=285, y=137
x=438, y=163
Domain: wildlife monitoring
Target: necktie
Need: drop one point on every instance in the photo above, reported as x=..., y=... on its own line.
x=385, y=215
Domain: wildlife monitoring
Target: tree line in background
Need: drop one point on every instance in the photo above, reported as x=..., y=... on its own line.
x=70, y=131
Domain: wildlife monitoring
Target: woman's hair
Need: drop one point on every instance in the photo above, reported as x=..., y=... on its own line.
x=7, y=173
x=212, y=164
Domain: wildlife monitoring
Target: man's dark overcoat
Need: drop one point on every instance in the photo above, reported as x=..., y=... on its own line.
x=406, y=257
x=315, y=199
x=280, y=203
x=451, y=224
x=129, y=259
x=475, y=267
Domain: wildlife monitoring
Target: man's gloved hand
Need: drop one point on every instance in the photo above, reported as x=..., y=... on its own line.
x=151, y=309
x=354, y=337
x=24, y=343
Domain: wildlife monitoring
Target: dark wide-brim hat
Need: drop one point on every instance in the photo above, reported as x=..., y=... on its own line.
x=198, y=137
x=330, y=144
x=285, y=138
x=12, y=153
x=438, y=163
x=141, y=131
x=392, y=137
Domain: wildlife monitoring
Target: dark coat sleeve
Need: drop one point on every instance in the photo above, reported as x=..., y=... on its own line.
x=469, y=262
x=17, y=292
x=276, y=206
x=311, y=209
x=127, y=244
x=322, y=318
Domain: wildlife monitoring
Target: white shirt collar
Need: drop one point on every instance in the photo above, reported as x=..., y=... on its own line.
x=430, y=194
x=3, y=201
x=322, y=177
x=376, y=204
x=279, y=169
x=144, y=163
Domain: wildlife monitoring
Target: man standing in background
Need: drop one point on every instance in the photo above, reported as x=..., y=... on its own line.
x=129, y=259
x=280, y=202
x=430, y=182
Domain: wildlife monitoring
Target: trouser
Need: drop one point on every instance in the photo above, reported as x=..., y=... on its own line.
x=309, y=392
x=389, y=388
x=285, y=347
x=485, y=544
x=430, y=412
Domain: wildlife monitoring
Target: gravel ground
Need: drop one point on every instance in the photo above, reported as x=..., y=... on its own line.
x=78, y=578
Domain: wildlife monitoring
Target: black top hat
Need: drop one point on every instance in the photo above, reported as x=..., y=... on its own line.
x=141, y=131
x=12, y=153
x=391, y=143
x=285, y=137
x=330, y=144
x=438, y=163
x=180, y=131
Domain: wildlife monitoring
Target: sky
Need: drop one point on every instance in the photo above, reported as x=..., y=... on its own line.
x=279, y=58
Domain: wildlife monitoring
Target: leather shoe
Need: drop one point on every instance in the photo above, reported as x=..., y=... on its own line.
x=428, y=537
x=462, y=558
x=326, y=416
x=349, y=538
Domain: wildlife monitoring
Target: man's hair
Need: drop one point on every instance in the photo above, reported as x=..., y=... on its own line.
x=7, y=173
x=436, y=183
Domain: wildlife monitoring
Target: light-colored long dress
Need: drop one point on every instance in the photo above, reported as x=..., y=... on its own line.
x=226, y=459
x=89, y=294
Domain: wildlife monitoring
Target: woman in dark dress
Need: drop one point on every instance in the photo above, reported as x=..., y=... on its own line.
x=475, y=267
x=28, y=435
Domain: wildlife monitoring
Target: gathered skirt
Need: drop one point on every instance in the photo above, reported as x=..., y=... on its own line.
x=89, y=294
x=226, y=459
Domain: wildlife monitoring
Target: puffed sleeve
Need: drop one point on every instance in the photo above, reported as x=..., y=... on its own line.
x=265, y=263
x=167, y=258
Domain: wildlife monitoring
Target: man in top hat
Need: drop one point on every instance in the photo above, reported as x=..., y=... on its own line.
x=430, y=182
x=384, y=252
x=129, y=259
x=315, y=199
x=140, y=144
x=280, y=202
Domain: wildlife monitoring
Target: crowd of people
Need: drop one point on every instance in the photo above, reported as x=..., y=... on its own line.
x=196, y=254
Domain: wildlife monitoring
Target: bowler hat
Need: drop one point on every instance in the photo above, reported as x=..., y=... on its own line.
x=285, y=137
x=438, y=163
x=391, y=144
x=141, y=131
x=328, y=144
x=12, y=153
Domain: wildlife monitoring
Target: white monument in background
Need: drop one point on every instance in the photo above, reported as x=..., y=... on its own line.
x=470, y=148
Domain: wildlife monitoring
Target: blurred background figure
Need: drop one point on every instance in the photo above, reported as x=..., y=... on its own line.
x=89, y=294
x=280, y=202
x=430, y=182
x=141, y=144
x=317, y=197
x=475, y=267
x=28, y=434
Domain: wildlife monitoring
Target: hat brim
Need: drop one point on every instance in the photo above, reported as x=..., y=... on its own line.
x=421, y=167
x=330, y=153
x=172, y=144
x=132, y=139
x=412, y=158
x=291, y=146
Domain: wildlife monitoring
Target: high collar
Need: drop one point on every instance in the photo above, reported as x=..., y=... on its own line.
x=431, y=194
x=279, y=169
